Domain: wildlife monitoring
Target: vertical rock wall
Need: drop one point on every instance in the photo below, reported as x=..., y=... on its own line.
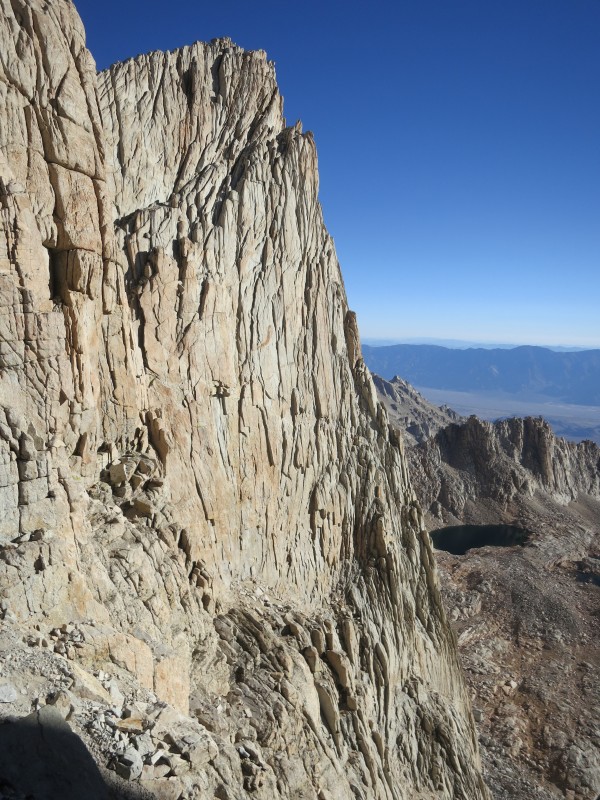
x=193, y=456
x=275, y=452
x=66, y=361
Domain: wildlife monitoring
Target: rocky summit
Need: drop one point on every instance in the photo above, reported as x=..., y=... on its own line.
x=215, y=578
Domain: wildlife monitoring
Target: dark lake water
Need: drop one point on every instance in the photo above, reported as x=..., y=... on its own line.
x=588, y=577
x=457, y=539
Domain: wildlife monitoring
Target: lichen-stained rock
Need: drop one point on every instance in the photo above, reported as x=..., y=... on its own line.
x=195, y=472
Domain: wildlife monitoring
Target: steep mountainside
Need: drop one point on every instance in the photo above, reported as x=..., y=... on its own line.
x=505, y=461
x=526, y=618
x=418, y=419
x=202, y=501
x=525, y=372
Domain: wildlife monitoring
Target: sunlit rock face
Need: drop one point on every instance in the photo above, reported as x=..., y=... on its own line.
x=196, y=474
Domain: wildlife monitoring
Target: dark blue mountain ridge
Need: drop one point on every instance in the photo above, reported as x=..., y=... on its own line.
x=528, y=372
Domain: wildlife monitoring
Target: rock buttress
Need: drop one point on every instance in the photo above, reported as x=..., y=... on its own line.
x=196, y=470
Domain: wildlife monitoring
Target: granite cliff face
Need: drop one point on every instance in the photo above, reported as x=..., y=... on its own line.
x=202, y=501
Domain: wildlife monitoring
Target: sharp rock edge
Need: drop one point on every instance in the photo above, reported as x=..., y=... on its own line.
x=202, y=500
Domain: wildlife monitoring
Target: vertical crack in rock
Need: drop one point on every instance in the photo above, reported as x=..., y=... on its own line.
x=195, y=471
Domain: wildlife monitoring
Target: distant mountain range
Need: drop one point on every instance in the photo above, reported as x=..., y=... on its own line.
x=463, y=344
x=528, y=373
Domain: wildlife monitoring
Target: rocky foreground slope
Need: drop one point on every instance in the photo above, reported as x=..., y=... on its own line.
x=212, y=562
x=526, y=618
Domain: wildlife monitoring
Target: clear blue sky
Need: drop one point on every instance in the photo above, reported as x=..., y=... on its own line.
x=459, y=149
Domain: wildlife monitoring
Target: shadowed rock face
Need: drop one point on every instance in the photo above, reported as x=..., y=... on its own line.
x=501, y=462
x=202, y=500
x=40, y=754
x=41, y=757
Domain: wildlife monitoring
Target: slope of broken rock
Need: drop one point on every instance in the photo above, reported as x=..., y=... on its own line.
x=526, y=618
x=418, y=419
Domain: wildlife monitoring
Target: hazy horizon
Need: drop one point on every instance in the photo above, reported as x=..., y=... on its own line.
x=460, y=344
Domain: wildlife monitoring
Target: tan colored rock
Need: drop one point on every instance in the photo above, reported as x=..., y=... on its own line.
x=209, y=336
x=133, y=655
x=341, y=666
x=164, y=788
x=172, y=681
x=86, y=685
